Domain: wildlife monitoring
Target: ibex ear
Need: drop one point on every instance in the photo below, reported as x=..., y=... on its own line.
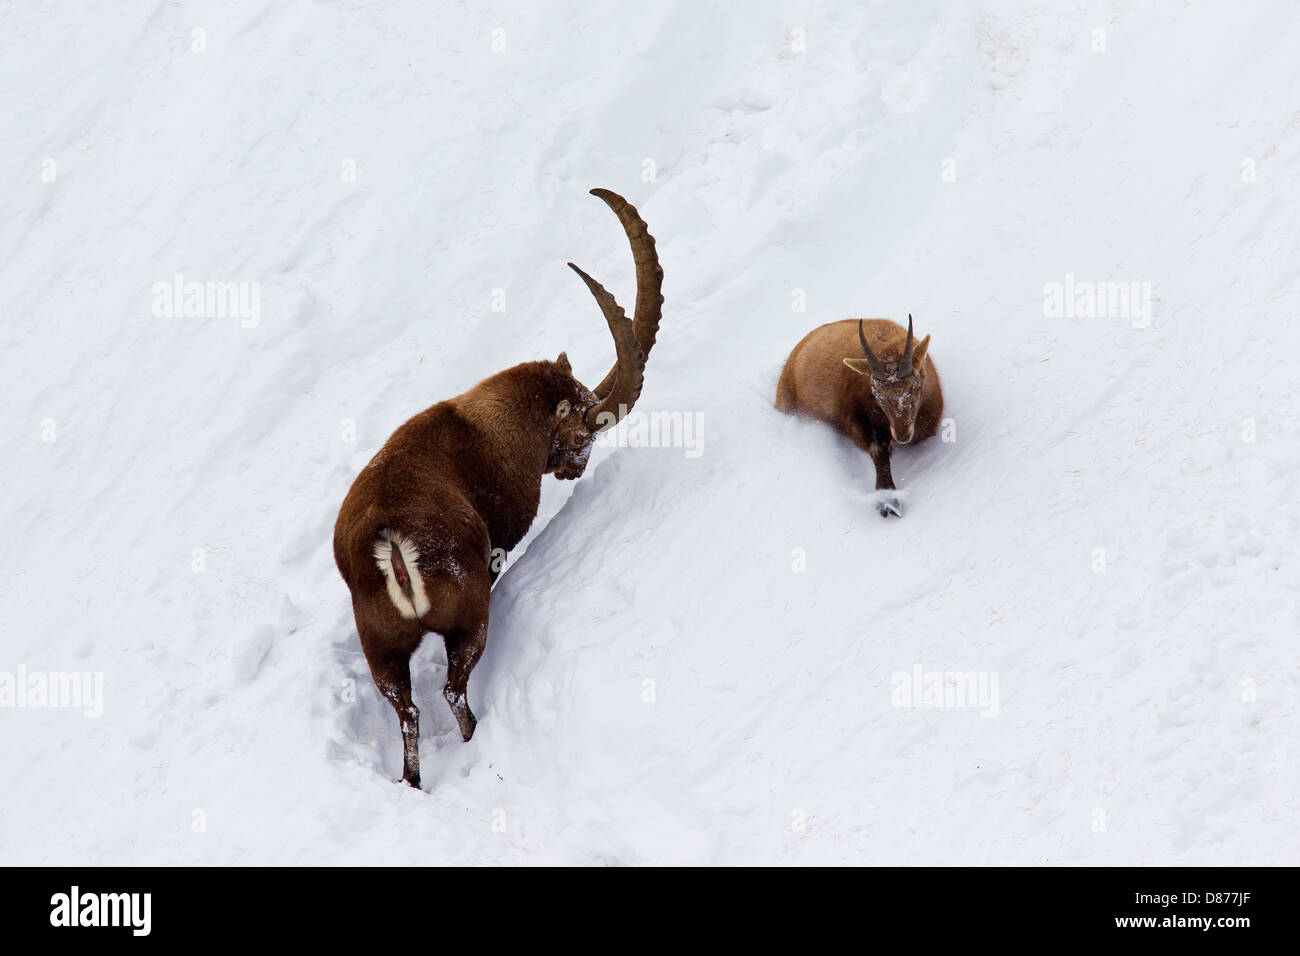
x=918, y=353
x=563, y=362
x=861, y=366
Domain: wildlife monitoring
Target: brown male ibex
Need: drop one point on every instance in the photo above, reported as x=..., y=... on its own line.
x=420, y=533
x=890, y=395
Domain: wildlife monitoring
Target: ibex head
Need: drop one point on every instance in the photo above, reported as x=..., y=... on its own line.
x=582, y=412
x=570, y=437
x=896, y=381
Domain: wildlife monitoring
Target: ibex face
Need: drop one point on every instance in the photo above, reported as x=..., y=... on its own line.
x=571, y=439
x=896, y=384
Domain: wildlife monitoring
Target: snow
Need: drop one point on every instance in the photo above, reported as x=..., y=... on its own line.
x=701, y=654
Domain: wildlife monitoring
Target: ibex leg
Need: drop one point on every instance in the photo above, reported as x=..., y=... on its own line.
x=877, y=444
x=464, y=648
x=392, y=673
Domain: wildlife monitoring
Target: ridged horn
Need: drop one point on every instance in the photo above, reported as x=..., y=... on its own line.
x=635, y=337
x=629, y=363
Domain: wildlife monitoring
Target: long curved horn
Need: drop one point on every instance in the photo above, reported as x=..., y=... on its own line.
x=905, y=366
x=629, y=365
x=649, y=277
x=633, y=338
x=876, y=368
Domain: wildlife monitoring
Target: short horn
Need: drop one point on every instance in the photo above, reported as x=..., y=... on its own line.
x=876, y=368
x=905, y=366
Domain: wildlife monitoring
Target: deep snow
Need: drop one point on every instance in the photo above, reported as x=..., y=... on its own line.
x=696, y=659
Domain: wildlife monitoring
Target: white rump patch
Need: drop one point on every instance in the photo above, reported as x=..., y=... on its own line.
x=389, y=539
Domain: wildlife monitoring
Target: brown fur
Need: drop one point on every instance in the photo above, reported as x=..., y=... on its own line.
x=460, y=480
x=817, y=383
x=457, y=487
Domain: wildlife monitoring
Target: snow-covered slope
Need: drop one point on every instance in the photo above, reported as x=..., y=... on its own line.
x=698, y=656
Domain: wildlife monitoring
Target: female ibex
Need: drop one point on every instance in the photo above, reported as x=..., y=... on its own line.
x=421, y=531
x=890, y=395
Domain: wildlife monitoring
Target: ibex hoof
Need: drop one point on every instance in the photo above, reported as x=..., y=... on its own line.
x=888, y=502
x=464, y=716
x=467, y=725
